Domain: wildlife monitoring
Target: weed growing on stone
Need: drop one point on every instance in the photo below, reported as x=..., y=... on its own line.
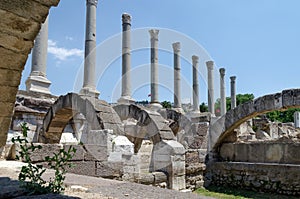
x=31, y=174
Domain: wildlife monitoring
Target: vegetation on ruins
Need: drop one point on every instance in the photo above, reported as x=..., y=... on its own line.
x=31, y=174
x=283, y=116
x=166, y=104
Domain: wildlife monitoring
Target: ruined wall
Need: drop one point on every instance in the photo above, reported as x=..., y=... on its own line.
x=20, y=23
x=275, y=178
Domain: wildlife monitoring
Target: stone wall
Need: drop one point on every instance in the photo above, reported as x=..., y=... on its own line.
x=263, y=152
x=20, y=23
x=268, y=177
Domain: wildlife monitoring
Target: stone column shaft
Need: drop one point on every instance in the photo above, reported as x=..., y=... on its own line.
x=126, y=60
x=154, y=67
x=233, y=92
x=222, y=91
x=195, y=60
x=37, y=81
x=210, y=81
x=89, y=81
x=177, y=67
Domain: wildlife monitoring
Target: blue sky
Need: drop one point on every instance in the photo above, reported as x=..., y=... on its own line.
x=257, y=40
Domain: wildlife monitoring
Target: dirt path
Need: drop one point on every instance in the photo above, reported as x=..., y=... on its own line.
x=88, y=187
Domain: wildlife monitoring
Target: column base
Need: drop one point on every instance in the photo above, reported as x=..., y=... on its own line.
x=126, y=100
x=89, y=92
x=155, y=106
x=178, y=109
x=194, y=114
x=38, y=84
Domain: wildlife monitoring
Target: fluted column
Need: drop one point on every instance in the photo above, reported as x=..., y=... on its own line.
x=222, y=91
x=154, y=68
x=177, y=90
x=126, y=60
x=89, y=80
x=195, y=60
x=210, y=82
x=37, y=80
x=233, y=92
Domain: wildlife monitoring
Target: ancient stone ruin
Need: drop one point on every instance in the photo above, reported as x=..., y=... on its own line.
x=151, y=145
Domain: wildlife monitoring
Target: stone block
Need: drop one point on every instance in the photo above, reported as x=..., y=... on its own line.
x=9, y=77
x=97, y=137
x=256, y=152
x=8, y=93
x=8, y=152
x=131, y=160
x=83, y=168
x=292, y=153
x=241, y=152
x=192, y=157
x=146, y=178
x=27, y=9
x=227, y=151
x=79, y=155
x=274, y=153
x=178, y=168
x=47, y=150
x=123, y=145
x=109, y=170
x=95, y=152
x=177, y=183
x=115, y=157
x=49, y=2
x=6, y=108
x=159, y=177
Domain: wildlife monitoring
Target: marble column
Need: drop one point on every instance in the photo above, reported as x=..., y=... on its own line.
x=89, y=80
x=154, y=68
x=222, y=91
x=126, y=60
x=37, y=80
x=177, y=90
x=297, y=119
x=210, y=82
x=195, y=60
x=233, y=92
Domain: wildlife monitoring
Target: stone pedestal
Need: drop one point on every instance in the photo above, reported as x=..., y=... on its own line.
x=89, y=80
x=210, y=82
x=233, y=92
x=154, y=104
x=37, y=80
x=222, y=91
x=126, y=61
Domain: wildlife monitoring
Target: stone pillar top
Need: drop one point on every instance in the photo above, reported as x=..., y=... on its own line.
x=233, y=78
x=222, y=71
x=126, y=18
x=210, y=65
x=93, y=2
x=154, y=33
x=176, y=47
x=195, y=58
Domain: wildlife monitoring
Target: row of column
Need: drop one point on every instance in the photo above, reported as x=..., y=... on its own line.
x=38, y=82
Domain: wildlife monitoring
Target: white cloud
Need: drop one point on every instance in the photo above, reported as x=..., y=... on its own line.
x=69, y=38
x=61, y=53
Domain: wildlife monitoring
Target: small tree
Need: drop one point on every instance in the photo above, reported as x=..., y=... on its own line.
x=166, y=104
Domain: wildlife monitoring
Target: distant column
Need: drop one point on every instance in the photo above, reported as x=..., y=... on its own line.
x=177, y=91
x=37, y=80
x=154, y=68
x=195, y=60
x=89, y=81
x=210, y=81
x=126, y=60
x=222, y=91
x=233, y=92
x=297, y=119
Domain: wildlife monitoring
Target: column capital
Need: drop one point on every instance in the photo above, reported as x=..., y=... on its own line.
x=126, y=18
x=93, y=2
x=222, y=71
x=210, y=65
x=176, y=47
x=233, y=78
x=154, y=33
x=195, y=58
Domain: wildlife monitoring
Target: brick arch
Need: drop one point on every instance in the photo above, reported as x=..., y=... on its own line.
x=152, y=125
x=225, y=125
x=98, y=114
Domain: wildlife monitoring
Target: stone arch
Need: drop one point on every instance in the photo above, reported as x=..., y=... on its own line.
x=225, y=125
x=152, y=125
x=97, y=113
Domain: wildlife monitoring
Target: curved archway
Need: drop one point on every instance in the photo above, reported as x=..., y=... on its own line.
x=225, y=125
x=97, y=113
x=152, y=125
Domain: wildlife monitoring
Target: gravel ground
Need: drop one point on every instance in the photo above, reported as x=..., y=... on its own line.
x=87, y=187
